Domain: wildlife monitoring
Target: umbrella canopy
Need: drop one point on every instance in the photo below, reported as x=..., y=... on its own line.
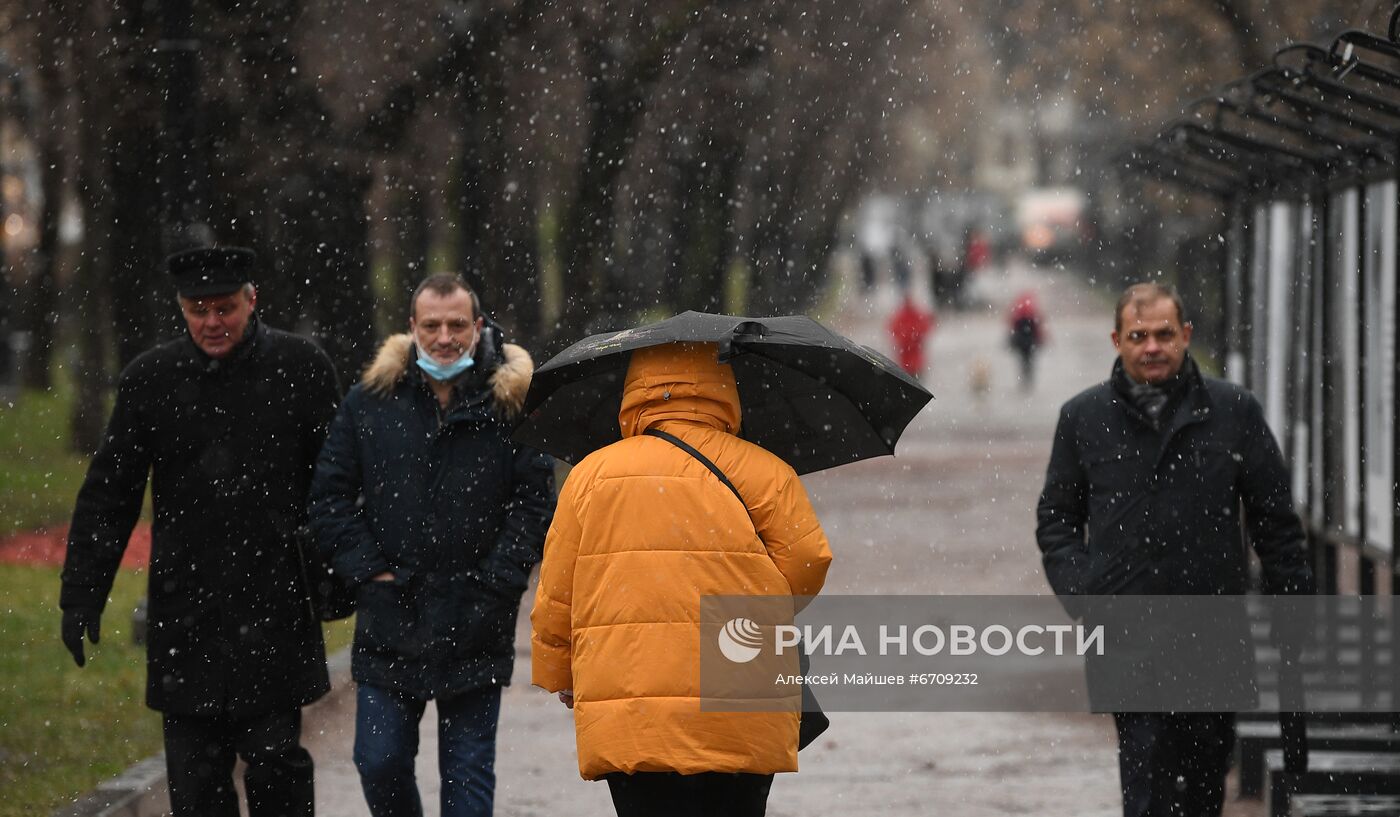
x=808, y=395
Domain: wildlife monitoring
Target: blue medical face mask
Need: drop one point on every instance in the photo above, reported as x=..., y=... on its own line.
x=443, y=372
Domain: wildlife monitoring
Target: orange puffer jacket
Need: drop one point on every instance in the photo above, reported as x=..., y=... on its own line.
x=642, y=531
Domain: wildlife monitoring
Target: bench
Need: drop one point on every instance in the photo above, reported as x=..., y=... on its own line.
x=1255, y=739
x=1354, y=805
x=1331, y=773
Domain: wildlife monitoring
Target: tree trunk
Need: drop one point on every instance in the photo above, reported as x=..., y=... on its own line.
x=473, y=182
x=40, y=317
x=765, y=254
x=515, y=257
x=499, y=228
x=292, y=301
x=684, y=178
x=709, y=250
x=412, y=244
x=8, y=293
x=616, y=99
x=344, y=301
x=587, y=225
x=773, y=267
x=86, y=423
x=92, y=279
x=143, y=298
x=849, y=170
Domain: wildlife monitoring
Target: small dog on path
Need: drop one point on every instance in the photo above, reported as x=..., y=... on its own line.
x=979, y=377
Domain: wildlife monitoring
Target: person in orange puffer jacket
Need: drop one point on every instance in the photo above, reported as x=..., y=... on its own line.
x=642, y=531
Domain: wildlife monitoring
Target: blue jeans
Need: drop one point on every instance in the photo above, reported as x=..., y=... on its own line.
x=386, y=744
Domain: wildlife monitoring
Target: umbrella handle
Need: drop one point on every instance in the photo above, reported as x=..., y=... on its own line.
x=744, y=331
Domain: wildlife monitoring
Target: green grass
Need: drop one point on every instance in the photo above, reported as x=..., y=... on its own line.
x=40, y=476
x=64, y=729
x=551, y=266
x=736, y=288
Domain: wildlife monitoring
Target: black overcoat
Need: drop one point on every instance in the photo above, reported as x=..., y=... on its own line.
x=230, y=446
x=1131, y=510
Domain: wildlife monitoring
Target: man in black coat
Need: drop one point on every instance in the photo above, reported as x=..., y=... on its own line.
x=1148, y=475
x=423, y=502
x=227, y=422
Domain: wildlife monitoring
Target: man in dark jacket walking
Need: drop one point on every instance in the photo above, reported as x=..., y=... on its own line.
x=227, y=421
x=423, y=502
x=1147, y=477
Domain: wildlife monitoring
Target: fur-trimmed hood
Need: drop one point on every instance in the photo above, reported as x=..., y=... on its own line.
x=509, y=381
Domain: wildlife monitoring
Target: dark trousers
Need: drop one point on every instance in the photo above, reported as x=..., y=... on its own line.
x=653, y=794
x=1174, y=764
x=200, y=754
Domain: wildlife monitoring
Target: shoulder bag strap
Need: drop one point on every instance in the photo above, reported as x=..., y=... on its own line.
x=812, y=721
x=704, y=460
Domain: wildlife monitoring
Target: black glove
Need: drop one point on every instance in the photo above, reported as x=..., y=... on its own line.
x=76, y=622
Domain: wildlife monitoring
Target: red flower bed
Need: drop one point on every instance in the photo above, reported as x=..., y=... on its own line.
x=47, y=546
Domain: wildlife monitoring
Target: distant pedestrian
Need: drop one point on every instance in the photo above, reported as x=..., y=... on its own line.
x=645, y=528
x=1026, y=324
x=867, y=271
x=909, y=327
x=940, y=277
x=1151, y=473
x=975, y=254
x=226, y=421
x=900, y=269
x=425, y=504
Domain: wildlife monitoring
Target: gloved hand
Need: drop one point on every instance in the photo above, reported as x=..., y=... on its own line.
x=77, y=622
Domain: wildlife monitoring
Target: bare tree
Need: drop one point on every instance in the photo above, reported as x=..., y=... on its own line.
x=40, y=309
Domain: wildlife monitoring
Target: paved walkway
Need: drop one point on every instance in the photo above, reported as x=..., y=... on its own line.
x=954, y=514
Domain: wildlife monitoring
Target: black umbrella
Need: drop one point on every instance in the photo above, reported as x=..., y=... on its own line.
x=809, y=395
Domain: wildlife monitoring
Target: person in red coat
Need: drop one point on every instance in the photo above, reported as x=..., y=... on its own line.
x=1027, y=334
x=908, y=327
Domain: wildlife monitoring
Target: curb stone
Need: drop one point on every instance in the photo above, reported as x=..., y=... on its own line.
x=141, y=790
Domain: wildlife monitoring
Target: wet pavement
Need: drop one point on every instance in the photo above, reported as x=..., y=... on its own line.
x=953, y=513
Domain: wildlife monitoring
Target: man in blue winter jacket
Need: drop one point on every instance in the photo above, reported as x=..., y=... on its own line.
x=422, y=501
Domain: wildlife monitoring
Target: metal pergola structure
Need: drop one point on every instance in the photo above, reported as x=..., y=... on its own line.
x=1305, y=156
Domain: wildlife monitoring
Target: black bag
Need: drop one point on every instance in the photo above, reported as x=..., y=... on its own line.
x=813, y=721
x=328, y=597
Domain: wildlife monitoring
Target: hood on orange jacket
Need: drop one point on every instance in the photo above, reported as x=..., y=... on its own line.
x=679, y=381
x=642, y=532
